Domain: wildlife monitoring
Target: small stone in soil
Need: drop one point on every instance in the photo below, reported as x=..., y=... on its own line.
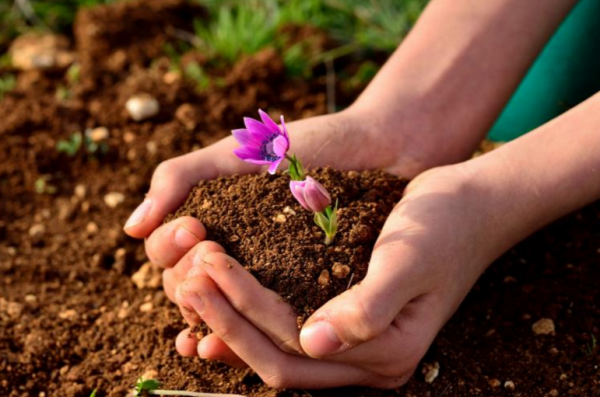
x=142, y=106
x=148, y=276
x=340, y=270
x=509, y=385
x=431, y=371
x=544, y=326
x=324, y=278
x=494, y=383
x=146, y=307
x=113, y=199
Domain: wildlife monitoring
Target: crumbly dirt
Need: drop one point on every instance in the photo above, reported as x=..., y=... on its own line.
x=258, y=221
x=71, y=319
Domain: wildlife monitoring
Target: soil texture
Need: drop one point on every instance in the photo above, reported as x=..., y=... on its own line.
x=258, y=221
x=74, y=318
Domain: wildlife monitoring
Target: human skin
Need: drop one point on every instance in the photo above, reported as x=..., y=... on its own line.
x=429, y=106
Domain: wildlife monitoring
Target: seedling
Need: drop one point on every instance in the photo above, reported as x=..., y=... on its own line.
x=590, y=348
x=196, y=73
x=146, y=387
x=7, y=83
x=265, y=143
x=42, y=185
x=72, y=145
x=94, y=393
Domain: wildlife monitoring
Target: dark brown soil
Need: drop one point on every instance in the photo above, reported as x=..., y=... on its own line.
x=70, y=318
x=258, y=221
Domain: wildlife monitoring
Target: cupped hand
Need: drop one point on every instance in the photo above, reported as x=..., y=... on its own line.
x=433, y=247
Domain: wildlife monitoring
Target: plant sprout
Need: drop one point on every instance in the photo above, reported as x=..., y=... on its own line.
x=265, y=143
x=72, y=145
x=145, y=387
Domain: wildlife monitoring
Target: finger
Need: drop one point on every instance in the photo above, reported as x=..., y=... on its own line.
x=170, y=242
x=192, y=262
x=174, y=179
x=186, y=343
x=264, y=308
x=211, y=347
x=174, y=276
x=366, y=310
x=400, y=348
x=277, y=368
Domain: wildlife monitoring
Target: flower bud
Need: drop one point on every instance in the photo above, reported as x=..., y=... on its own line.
x=311, y=194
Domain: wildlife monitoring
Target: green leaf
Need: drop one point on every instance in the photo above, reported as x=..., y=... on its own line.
x=94, y=393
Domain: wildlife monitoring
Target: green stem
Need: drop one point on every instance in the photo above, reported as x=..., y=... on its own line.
x=189, y=393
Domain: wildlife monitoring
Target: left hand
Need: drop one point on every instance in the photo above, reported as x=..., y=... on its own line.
x=433, y=247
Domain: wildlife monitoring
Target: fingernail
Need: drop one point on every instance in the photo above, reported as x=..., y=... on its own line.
x=319, y=339
x=185, y=239
x=196, y=302
x=139, y=214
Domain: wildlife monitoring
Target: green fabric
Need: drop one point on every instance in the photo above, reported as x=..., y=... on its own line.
x=566, y=73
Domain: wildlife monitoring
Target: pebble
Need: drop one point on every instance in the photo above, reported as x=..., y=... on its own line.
x=324, y=278
x=142, y=107
x=494, y=383
x=80, y=191
x=339, y=270
x=113, y=199
x=124, y=310
x=148, y=276
x=69, y=314
x=544, y=326
x=171, y=77
x=289, y=210
x=151, y=147
x=120, y=260
x=98, y=134
x=37, y=230
x=37, y=52
x=430, y=371
x=280, y=218
x=553, y=393
x=129, y=137
x=509, y=385
x=92, y=228
x=30, y=298
x=146, y=307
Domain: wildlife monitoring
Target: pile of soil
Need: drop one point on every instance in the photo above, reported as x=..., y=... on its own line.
x=258, y=221
x=72, y=320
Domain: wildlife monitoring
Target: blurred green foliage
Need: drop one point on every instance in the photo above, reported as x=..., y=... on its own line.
x=7, y=83
x=239, y=27
x=20, y=16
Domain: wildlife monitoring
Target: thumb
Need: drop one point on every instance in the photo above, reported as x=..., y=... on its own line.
x=174, y=179
x=366, y=310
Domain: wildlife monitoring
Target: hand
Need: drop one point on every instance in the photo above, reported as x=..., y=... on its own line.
x=336, y=140
x=434, y=246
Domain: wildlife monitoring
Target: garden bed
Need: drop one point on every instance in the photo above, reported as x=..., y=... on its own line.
x=71, y=318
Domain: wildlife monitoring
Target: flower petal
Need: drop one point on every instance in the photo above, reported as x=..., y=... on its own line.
x=274, y=166
x=257, y=129
x=269, y=123
x=246, y=153
x=281, y=146
x=297, y=189
x=285, y=131
x=244, y=137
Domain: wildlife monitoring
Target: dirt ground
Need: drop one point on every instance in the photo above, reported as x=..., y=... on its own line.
x=72, y=319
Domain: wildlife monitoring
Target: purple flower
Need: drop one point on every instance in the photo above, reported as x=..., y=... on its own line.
x=262, y=143
x=311, y=194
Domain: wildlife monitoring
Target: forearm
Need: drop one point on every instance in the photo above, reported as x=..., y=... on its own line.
x=543, y=175
x=458, y=67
